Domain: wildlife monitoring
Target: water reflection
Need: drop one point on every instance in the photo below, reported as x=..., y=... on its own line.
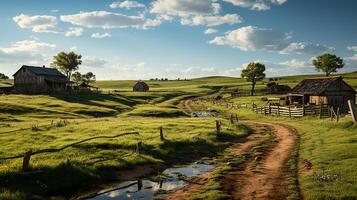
x=145, y=189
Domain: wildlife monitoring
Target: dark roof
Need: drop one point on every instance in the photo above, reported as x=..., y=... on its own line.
x=43, y=71
x=56, y=79
x=315, y=86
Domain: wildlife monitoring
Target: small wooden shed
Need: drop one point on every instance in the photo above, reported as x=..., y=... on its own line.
x=140, y=86
x=331, y=91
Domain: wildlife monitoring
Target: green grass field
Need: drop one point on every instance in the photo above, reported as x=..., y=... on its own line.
x=52, y=121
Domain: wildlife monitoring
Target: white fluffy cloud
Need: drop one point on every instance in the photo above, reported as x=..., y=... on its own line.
x=256, y=4
x=211, y=20
x=352, y=48
x=306, y=48
x=185, y=7
x=94, y=62
x=128, y=4
x=251, y=38
x=74, y=31
x=28, y=46
x=38, y=23
x=101, y=35
x=30, y=52
x=109, y=20
x=210, y=31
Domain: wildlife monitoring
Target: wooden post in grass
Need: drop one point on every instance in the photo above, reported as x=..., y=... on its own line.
x=139, y=147
x=218, y=127
x=353, y=111
x=162, y=134
x=278, y=110
x=338, y=114
x=289, y=111
x=26, y=161
x=320, y=111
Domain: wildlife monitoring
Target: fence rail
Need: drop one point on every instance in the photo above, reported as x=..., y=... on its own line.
x=288, y=111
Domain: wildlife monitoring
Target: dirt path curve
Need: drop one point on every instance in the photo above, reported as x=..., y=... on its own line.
x=266, y=182
x=188, y=105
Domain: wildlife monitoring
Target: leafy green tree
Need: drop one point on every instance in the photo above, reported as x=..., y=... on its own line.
x=67, y=62
x=254, y=72
x=88, y=78
x=77, y=77
x=3, y=76
x=328, y=63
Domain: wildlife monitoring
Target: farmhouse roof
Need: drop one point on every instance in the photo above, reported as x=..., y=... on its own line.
x=43, y=71
x=316, y=86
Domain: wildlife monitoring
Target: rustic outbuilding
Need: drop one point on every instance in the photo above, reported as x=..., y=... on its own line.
x=278, y=89
x=31, y=79
x=331, y=91
x=141, y=86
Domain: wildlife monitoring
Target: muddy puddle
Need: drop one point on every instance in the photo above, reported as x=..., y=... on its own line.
x=170, y=180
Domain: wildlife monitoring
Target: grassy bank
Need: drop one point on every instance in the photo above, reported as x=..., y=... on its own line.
x=329, y=147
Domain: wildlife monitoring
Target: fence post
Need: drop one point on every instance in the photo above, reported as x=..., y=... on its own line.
x=139, y=147
x=269, y=109
x=303, y=110
x=26, y=161
x=320, y=111
x=162, y=134
x=289, y=111
x=352, y=110
x=338, y=114
x=278, y=110
x=218, y=127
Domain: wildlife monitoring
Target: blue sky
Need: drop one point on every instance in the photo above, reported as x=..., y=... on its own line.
x=139, y=39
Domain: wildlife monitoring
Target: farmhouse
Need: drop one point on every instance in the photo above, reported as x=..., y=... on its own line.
x=332, y=91
x=30, y=79
x=141, y=86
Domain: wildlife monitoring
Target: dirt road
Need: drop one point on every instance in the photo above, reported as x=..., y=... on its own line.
x=266, y=182
x=250, y=182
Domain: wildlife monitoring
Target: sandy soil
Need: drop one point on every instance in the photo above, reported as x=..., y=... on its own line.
x=266, y=182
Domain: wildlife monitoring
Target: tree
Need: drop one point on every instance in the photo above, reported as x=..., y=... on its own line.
x=253, y=72
x=77, y=77
x=67, y=62
x=88, y=78
x=328, y=63
x=3, y=76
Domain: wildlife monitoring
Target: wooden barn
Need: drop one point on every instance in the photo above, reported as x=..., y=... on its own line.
x=141, y=86
x=31, y=79
x=333, y=91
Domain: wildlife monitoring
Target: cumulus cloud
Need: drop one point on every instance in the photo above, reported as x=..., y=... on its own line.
x=185, y=7
x=251, y=38
x=210, y=31
x=109, y=20
x=211, y=20
x=306, y=48
x=38, y=23
x=74, y=31
x=28, y=46
x=126, y=4
x=94, y=62
x=352, y=48
x=31, y=52
x=256, y=4
x=101, y=35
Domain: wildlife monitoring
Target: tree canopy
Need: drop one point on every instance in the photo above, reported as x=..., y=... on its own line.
x=328, y=63
x=254, y=72
x=67, y=62
x=3, y=76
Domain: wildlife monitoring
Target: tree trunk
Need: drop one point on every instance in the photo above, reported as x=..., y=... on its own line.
x=253, y=86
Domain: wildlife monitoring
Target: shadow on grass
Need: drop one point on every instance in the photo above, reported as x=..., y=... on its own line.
x=93, y=99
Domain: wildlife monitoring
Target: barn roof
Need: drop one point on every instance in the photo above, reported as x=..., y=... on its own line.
x=43, y=71
x=316, y=86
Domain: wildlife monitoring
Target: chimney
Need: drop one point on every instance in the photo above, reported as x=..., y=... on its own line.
x=44, y=66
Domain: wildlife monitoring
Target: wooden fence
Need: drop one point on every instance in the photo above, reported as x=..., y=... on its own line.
x=288, y=111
